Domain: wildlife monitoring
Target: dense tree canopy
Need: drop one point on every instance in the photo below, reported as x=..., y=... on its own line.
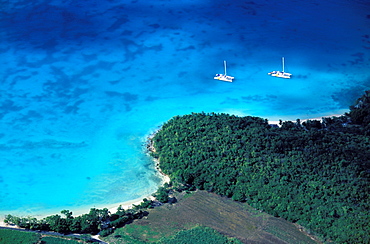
x=360, y=112
x=97, y=221
x=313, y=173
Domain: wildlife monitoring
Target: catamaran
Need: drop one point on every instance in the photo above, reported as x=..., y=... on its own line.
x=224, y=77
x=281, y=74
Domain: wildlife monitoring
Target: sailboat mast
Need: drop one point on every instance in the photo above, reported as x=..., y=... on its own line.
x=283, y=64
x=225, y=66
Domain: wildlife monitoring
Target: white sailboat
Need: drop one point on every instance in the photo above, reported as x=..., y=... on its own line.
x=281, y=74
x=224, y=77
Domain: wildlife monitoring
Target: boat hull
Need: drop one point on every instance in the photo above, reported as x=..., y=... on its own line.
x=223, y=77
x=280, y=74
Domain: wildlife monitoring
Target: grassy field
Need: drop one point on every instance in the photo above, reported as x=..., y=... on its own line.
x=8, y=236
x=18, y=237
x=228, y=217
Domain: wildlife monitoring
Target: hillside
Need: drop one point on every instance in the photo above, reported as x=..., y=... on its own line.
x=314, y=173
x=200, y=208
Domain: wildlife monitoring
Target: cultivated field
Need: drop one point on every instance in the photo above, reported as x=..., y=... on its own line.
x=230, y=218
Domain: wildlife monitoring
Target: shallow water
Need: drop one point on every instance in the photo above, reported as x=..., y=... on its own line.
x=84, y=82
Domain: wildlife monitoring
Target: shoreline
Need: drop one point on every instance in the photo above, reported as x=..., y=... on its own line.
x=275, y=122
x=150, y=148
x=112, y=208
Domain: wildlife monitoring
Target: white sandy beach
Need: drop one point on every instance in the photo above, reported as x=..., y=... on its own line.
x=112, y=208
x=275, y=122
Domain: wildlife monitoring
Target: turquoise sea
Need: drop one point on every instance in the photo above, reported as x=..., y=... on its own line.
x=84, y=82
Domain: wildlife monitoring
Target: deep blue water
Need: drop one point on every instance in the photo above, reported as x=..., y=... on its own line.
x=84, y=82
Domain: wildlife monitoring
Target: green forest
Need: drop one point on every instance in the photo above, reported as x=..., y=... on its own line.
x=97, y=221
x=314, y=173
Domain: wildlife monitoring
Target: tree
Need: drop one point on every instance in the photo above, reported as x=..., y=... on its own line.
x=161, y=195
x=58, y=224
x=296, y=172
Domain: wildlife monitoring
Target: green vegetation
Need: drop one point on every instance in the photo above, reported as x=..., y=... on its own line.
x=96, y=221
x=57, y=240
x=313, y=173
x=200, y=208
x=360, y=112
x=8, y=236
x=18, y=237
x=199, y=235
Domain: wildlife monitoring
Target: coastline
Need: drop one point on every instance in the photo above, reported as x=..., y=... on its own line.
x=150, y=148
x=164, y=179
x=112, y=208
x=276, y=122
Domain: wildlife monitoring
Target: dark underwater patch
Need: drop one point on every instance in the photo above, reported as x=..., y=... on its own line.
x=31, y=115
x=129, y=97
x=117, y=24
x=49, y=24
x=258, y=98
x=151, y=98
x=73, y=109
x=347, y=96
x=155, y=26
x=9, y=106
x=181, y=74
